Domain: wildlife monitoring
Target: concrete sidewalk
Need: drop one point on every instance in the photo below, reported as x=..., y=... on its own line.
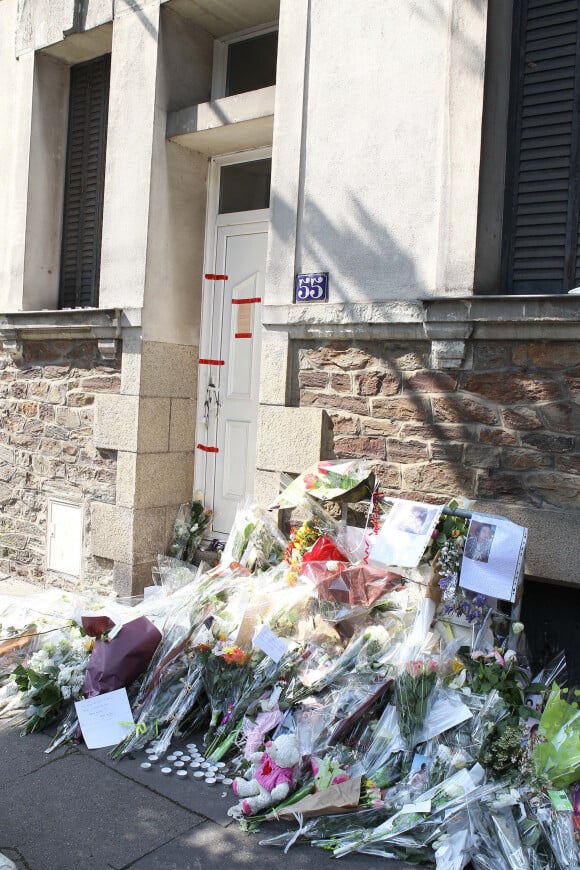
x=76, y=809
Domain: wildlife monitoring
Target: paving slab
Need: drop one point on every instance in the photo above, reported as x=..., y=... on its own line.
x=211, y=802
x=77, y=813
x=205, y=848
x=23, y=754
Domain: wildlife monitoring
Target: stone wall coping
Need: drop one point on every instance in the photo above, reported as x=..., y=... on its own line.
x=103, y=324
x=73, y=322
x=516, y=317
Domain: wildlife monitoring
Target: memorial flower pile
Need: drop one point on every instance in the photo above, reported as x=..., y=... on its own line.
x=421, y=732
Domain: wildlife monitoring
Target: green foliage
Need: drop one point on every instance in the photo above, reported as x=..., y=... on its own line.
x=557, y=755
x=449, y=528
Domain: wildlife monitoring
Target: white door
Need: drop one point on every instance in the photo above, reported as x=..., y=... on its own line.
x=229, y=367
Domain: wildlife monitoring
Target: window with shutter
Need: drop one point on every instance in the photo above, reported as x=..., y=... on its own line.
x=541, y=253
x=84, y=184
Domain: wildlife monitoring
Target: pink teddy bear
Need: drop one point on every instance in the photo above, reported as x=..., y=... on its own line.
x=272, y=780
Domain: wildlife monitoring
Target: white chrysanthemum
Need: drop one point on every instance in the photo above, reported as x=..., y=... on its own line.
x=65, y=674
x=65, y=692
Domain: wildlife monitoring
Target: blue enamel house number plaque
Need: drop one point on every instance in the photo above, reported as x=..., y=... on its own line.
x=311, y=288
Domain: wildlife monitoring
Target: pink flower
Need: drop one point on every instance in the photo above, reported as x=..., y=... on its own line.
x=497, y=656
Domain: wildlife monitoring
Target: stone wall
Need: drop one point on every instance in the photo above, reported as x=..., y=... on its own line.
x=504, y=428
x=47, y=449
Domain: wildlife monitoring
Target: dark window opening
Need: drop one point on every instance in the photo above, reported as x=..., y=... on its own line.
x=245, y=186
x=550, y=616
x=541, y=250
x=252, y=64
x=84, y=184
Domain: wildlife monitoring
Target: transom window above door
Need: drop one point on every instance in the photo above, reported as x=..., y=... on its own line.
x=245, y=186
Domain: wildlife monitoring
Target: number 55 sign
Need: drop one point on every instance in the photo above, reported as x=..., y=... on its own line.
x=311, y=288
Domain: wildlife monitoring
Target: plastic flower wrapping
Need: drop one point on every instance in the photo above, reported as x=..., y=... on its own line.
x=420, y=731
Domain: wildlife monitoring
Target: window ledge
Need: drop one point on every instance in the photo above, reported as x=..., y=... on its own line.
x=554, y=318
x=103, y=324
x=225, y=125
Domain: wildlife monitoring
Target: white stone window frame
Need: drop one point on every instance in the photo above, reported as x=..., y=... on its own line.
x=220, y=54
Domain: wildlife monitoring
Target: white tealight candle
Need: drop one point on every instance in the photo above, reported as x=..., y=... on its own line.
x=153, y=759
x=166, y=771
x=194, y=765
x=146, y=766
x=182, y=774
x=227, y=780
x=199, y=774
x=210, y=780
x=205, y=765
x=179, y=763
x=220, y=765
x=171, y=758
x=186, y=757
x=178, y=753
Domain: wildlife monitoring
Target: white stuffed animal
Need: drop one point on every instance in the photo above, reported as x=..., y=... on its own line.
x=272, y=780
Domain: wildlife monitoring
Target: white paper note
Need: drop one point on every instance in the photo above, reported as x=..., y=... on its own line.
x=419, y=807
x=492, y=557
x=270, y=643
x=405, y=533
x=100, y=718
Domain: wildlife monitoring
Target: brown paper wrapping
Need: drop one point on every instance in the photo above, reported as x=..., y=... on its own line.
x=339, y=798
x=433, y=590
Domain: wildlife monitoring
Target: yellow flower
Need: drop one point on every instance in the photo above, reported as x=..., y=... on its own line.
x=456, y=666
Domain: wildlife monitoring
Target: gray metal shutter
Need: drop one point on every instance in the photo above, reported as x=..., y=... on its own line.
x=542, y=183
x=84, y=183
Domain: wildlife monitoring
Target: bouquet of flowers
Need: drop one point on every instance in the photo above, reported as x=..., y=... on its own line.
x=255, y=541
x=225, y=672
x=188, y=530
x=413, y=688
x=53, y=677
x=557, y=752
x=331, y=481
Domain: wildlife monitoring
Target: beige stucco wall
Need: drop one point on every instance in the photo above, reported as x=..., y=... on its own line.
x=386, y=146
x=176, y=229
x=45, y=183
x=15, y=111
x=129, y=154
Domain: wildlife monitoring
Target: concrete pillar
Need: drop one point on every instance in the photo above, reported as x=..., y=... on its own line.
x=129, y=155
x=16, y=112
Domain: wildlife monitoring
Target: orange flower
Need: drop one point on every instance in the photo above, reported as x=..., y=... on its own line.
x=233, y=655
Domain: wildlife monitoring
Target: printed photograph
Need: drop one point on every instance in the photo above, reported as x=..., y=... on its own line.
x=414, y=519
x=479, y=541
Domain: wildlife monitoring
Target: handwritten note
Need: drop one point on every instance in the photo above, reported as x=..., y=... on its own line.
x=270, y=643
x=106, y=719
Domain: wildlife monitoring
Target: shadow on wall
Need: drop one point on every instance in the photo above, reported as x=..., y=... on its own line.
x=436, y=13
x=355, y=245
x=350, y=245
